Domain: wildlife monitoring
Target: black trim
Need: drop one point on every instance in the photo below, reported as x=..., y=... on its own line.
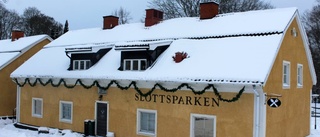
x=93, y=57
x=25, y=126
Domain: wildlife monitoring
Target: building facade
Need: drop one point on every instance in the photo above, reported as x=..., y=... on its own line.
x=14, y=52
x=175, y=79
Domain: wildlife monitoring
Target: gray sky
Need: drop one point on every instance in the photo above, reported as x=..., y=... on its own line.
x=83, y=14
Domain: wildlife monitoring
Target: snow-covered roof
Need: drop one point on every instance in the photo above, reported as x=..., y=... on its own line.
x=10, y=50
x=224, y=25
x=230, y=48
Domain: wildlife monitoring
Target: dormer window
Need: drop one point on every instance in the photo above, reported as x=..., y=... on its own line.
x=83, y=58
x=139, y=56
x=81, y=64
x=135, y=64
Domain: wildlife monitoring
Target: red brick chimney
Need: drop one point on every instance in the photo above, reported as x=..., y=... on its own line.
x=153, y=17
x=110, y=22
x=208, y=10
x=16, y=34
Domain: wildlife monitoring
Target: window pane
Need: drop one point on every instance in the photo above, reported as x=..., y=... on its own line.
x=76, y=65
x=203, y=127
x=286, y=74
x=147, y=122
x=66, y=111
x=151, y=122
x=127, y=65
x=81, y=65
x=285, y=79
x=135, y=65
x=300, y=75
x=37, y=107
x=144, y=122
x=88, y=64
x=143, y=65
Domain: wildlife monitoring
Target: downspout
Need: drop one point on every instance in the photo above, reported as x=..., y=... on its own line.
x=259, y=124
x=256, y=112
x=18, y=104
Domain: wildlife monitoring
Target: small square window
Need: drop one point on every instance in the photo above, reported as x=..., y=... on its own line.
x=37, y=107
x=81, y=64
x=147, y=122
x=286, y=74
x=203, y=125
x=300, y=75
x=135, y=64
x=66, y=111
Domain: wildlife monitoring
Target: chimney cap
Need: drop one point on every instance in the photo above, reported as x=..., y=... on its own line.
x=16, y=30
x=153, y=9
x=210, y=2
x=112, y=16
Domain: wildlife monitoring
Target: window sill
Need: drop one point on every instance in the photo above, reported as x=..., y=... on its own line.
x=147, y=134
x=285, y=86
x=66, y=121
x=36, y=116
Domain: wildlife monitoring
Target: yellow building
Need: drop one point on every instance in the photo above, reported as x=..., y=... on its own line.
x=14, y=52
x=227, y=75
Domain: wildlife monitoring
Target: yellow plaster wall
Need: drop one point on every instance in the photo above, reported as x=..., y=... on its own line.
x=292, y=118
x=173, y=120
x=8, y=88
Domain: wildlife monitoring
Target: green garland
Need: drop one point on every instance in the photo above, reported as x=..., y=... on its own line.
x=133, y=83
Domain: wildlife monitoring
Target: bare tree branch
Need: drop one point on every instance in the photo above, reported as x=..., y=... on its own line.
x=190, y=8
x=124, y=15
x=311, y=20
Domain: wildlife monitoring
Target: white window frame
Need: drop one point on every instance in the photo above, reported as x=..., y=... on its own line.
x=286, y=77
x=33, y=108
x=61, y=119
x=79, y=62
x=299, y=75
x=131, y=64
x=192, y=123
x=139, y=132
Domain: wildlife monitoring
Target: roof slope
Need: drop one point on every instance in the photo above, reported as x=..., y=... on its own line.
x=251, y=22
x=10, y=50
x=236, y=47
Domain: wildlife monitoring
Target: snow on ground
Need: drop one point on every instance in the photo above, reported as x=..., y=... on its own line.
x=7, y=129
x=314, y=132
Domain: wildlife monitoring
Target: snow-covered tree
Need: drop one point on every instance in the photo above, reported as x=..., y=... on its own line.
x=36, y=23
x=66, y=27
x=312, y=25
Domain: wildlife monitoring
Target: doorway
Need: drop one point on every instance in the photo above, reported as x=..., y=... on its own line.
x=102, y=118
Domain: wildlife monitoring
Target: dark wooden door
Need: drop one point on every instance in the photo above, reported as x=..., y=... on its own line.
x=101, y=116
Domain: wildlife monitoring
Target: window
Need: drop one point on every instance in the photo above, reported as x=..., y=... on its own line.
x=65, y=111
x=81, y=64
x=300, y=75
x=203, y=125
x=286, y=74
x=147, y=122
x=135, y=64
x=37, y=107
